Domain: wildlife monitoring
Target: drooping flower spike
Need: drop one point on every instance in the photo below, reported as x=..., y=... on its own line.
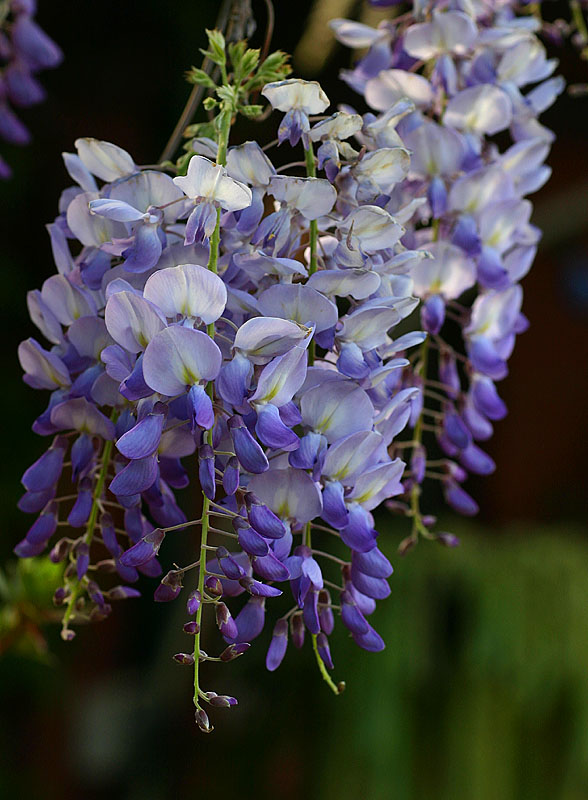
x=280, y=329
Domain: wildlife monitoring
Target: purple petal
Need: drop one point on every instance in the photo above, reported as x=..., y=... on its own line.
x=136, y=477
x=142, y=440
x=142, y=552
x=371, y=641
x=278, y=645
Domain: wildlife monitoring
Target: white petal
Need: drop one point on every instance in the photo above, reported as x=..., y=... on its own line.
x=354, y=34
x=296, y=93
x=392, y=85
x=105, y=160
x=483, y=109
x=313, y=197
x=189, y=290
x=201, y=178
x=450, y=272
x=249, y=164
x=373, y=227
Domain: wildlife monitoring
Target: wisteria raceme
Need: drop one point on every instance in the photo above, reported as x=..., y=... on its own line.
x=25, y=50
x=278, y=341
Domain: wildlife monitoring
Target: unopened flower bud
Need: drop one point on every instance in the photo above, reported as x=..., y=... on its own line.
x=191, y=627
x=193, y=603
x=184, y=658
x=234, y=651
x=60, y=596
x=213, y=586
x=202, y=721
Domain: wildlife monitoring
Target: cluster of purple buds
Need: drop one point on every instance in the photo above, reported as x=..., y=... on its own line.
x=25, y=50
x=282, y=331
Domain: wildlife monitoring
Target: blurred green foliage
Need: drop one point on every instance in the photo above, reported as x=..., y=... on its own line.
x=481, y=693
x=26, y=604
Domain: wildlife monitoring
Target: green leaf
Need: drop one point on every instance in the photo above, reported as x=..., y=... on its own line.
x=236, y=53
x=274, y=68
x=195, y=75
x=209, y=103
x=227, y=94
x=249, y=63
x=216, y=47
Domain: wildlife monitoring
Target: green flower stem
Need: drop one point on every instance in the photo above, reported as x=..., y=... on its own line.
x=90, y=527
x=226, y=116
x=312, y=236
x=313, y=243
x=415, y=492
x=579, y=21
x=335, y=688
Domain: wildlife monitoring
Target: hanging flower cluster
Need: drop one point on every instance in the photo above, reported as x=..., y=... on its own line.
x=25, y=50
x=289, y=331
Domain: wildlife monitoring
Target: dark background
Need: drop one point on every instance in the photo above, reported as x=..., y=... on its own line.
x=482, y=692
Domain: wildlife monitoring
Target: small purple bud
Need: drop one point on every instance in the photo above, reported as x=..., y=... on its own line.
x=95, y=593
x=326, y=618
x=324, y=651
x=206, y=472
x=228, y=565
x=193, y=603
x=234, y=651
x=231, y=476
x=448, y=539
x=82, y=452
x=248, y=451
x=263, y=520
x=278, y=645
x=60, y=551
x=191, y=627
x=142, y=552
x=433, y=313
x=297, y=630
x=220, y=700
x=459, y=499
x=252, y=542
x=82, y=560
x=477, y=460
x=80, y=512
x=371, y=641
x=184, y=658
x=258, y=589
x=213, y=586
x=437, y=197
x=45, y=472
x=225, y=622
x=170, y=587
x=310, y=612
x=455, y=428
x=351, y=616
x=202, y=721
x=60, y=596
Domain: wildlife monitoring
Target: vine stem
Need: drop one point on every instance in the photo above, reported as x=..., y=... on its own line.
x=312, y=235
x=415, y=492
x=92, y=519
x=226, y=116
x=313, y=244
